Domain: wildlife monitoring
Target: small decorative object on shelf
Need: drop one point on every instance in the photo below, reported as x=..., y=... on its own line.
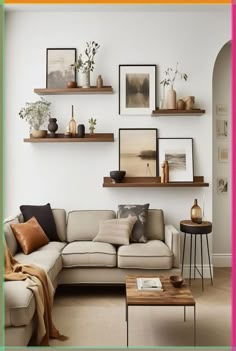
x=72, y=84
x=117, y=176
x=87, y=65
x=180, y=104
x=170, y=76
x=81, y=130
x=52, y=127
x=36, y=114
x=99, y=82
x=72, y=123
x=189, y=102
x=92, y=123
x=196, y=213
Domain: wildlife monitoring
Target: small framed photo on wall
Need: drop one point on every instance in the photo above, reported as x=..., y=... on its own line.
x=137, y=89
x=221, y=110
x=222, y=128
x=222, y=185
x=58, y=69
x=137, y=152
x=179, y=154
x=223, y=153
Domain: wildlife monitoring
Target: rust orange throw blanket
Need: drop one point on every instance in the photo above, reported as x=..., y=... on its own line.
x=43, y=291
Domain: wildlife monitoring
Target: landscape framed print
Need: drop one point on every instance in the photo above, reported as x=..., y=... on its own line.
x=58, y=67
x=137, y=152
x=137, y=89
x=179, y=154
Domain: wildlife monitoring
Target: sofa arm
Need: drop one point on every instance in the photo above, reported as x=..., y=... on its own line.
x=172, y=240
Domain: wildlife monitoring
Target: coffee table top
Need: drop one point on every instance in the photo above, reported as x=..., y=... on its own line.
x=171, y=296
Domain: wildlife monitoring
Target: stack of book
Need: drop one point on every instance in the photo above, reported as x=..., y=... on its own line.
x=149, y=284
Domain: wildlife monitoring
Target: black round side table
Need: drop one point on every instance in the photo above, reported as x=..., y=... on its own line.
x=188, y=227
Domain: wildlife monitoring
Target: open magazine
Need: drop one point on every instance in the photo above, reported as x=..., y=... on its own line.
x=153, y=284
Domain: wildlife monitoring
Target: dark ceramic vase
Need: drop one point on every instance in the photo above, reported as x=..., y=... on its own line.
x=52, y=127
x=81, y=130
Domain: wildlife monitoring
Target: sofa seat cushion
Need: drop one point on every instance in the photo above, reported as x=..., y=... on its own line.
x=50, y=262
x=151, y=255
x=19, y=303
x=88, y=254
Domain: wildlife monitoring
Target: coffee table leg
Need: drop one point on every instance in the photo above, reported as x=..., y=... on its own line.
x=194, y=326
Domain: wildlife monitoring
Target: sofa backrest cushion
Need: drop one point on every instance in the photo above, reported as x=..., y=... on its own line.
x=84, y=225
x=59, y=215
x=155, y=228
x=9, y=235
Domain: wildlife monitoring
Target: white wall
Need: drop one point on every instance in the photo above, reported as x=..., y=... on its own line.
x=221, y=201
x=70, y=176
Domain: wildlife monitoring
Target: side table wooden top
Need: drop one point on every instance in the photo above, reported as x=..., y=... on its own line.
x=190, y=227
x=171, y=296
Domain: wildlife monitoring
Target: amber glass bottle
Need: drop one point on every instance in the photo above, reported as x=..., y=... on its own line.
x=196, y=213
x=72, y=124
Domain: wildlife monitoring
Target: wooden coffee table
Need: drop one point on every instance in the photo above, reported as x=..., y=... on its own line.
x=171, y=296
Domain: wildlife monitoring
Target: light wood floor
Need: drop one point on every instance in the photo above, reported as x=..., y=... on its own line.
x=95, y=316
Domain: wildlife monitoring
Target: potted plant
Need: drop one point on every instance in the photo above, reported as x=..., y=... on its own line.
x=36, y=114
x=87, y=65
x=92, y=123
x=170, y=77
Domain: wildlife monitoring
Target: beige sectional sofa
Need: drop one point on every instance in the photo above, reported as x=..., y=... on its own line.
x=77, y=259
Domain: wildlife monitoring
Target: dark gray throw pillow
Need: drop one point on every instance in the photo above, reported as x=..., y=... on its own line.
x=140, y=212
x=44, y=216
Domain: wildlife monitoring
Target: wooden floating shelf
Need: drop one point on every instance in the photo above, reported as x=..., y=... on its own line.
x=95, y=138
x=167, y=112
x=152, y=182
x=69, y=91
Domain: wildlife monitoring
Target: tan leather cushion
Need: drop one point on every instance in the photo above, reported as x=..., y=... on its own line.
x=116, y=231
x=29, y=235
x=155, y=227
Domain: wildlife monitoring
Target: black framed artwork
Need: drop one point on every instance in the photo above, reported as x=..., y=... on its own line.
x=137, y=152
x=137, y=89
x=179, y=154
x=58, y=67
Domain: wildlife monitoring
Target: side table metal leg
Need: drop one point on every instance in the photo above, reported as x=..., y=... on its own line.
x=184, y=313
x=195, y=327
x=183, y=255
x=127, y=323
x=190, y=264
x=202, y=266
x=194, y=270
x=209, y=260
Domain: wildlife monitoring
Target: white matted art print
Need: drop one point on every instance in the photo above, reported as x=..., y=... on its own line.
x=179, y=154
x=222, y=128
x=222, y=185
x=223, y=153
x=137, y=89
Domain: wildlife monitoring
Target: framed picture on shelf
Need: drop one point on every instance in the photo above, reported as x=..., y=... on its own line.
x=179, y=154
x=223, y=153
x=222, y=128
x=58, y=69
x=137, y=89
x=137, y=152
x=222, y=185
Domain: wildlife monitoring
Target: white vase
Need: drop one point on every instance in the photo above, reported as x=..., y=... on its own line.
x=171, y=98
x=86, y=80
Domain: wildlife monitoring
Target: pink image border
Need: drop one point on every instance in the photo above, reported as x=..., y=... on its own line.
x=233, y=174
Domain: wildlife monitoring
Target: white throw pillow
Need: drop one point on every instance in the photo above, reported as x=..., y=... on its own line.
x=116, y=231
